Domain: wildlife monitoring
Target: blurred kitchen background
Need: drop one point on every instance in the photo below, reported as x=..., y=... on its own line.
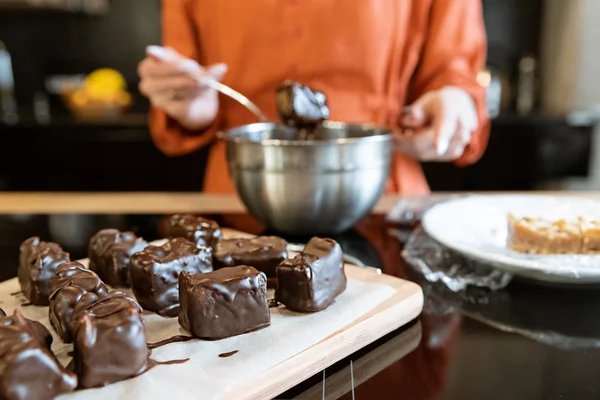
x=542, y=80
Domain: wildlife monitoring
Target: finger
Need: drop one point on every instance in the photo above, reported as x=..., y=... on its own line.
x=413, y=117
x=456, y=147
x=150, y=68
x=420, y=145
x=444, y=128
x=151, y=87
x=160, y=53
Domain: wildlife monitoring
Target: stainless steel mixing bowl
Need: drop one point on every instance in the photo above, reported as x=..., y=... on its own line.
x=309, y=187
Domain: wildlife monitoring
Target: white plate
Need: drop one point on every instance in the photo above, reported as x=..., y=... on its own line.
x=476, y=226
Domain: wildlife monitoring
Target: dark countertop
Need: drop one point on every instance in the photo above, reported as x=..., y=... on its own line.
x=508, y=344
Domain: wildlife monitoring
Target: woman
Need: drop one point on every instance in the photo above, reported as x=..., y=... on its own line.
x=370, y=57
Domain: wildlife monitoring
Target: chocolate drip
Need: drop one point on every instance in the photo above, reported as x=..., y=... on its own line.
x=174, y=339
x=228, y=354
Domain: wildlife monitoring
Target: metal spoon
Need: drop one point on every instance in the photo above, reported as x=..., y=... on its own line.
x=164, y=55
x=227, y=91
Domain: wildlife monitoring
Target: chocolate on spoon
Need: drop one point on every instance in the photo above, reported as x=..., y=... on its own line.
x=301, y=107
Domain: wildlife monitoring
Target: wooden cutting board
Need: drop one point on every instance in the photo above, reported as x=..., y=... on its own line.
x=404, y=303
x=402, y=307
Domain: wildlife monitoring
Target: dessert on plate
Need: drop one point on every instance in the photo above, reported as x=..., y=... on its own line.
x=533, y=235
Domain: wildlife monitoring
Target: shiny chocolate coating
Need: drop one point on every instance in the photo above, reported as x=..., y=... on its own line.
x=262, y=252
x=28, y=369
x=224, y=303
x=313, y=279
x=73, y=284
x=300, y=106
x=109, y=342
x=34, y=328
x=202, y=231
x=110, y=251
x=37, y=264
x=155, y=273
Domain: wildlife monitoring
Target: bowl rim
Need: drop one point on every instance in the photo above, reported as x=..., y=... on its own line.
x=225, y=135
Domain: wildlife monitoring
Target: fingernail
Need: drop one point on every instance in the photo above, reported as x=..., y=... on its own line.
x=157, y=51
x=218, y=70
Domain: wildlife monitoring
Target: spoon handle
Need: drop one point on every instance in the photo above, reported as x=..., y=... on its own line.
x=227, y=91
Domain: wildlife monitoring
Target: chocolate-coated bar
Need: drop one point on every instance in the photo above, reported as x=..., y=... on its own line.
x=28, y=369
x=313, y=279
x=224, y=303
x=37, y=263
x=110, y=251
x=155, y=273
x=262, y=252
x=72, y=284
x=109, y=342
x=34, y=328
x=202, y=231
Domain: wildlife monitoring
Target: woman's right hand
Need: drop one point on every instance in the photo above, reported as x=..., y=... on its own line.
x=166, y=80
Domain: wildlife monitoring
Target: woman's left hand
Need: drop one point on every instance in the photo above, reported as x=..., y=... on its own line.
x=438, y=126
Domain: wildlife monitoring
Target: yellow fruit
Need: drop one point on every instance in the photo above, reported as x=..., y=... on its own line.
x=105, y=80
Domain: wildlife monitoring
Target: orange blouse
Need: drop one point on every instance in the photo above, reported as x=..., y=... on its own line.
x=370, y=57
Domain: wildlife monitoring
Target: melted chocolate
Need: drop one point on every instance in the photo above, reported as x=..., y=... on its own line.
x=174, y=339
x=73, y=284
x=37, y=263
x=313, y=279
x=29, y=369
x=262, y=252
x=204, y=232
x=224, y=303
x=154, y=363
x=300, y=106
x=109, y=341
x=228, y=354
x=155, y=272
x=109, y=253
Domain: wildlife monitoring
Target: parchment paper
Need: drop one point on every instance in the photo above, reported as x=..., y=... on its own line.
x=205, y=375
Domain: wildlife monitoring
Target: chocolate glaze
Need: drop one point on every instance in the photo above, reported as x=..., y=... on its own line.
x=109, y=253
x=2, y=313
x=28, y=369
x=174, y=339
x=228, y=354
x=202, y=231
x=155, y=272
x=72, y=284
x=262, y=252
x=224, y=303
x=109, y=341
x=300, y=106
x=34, y=328
x=154, y=363
x=37, y=262
x=313, y=279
